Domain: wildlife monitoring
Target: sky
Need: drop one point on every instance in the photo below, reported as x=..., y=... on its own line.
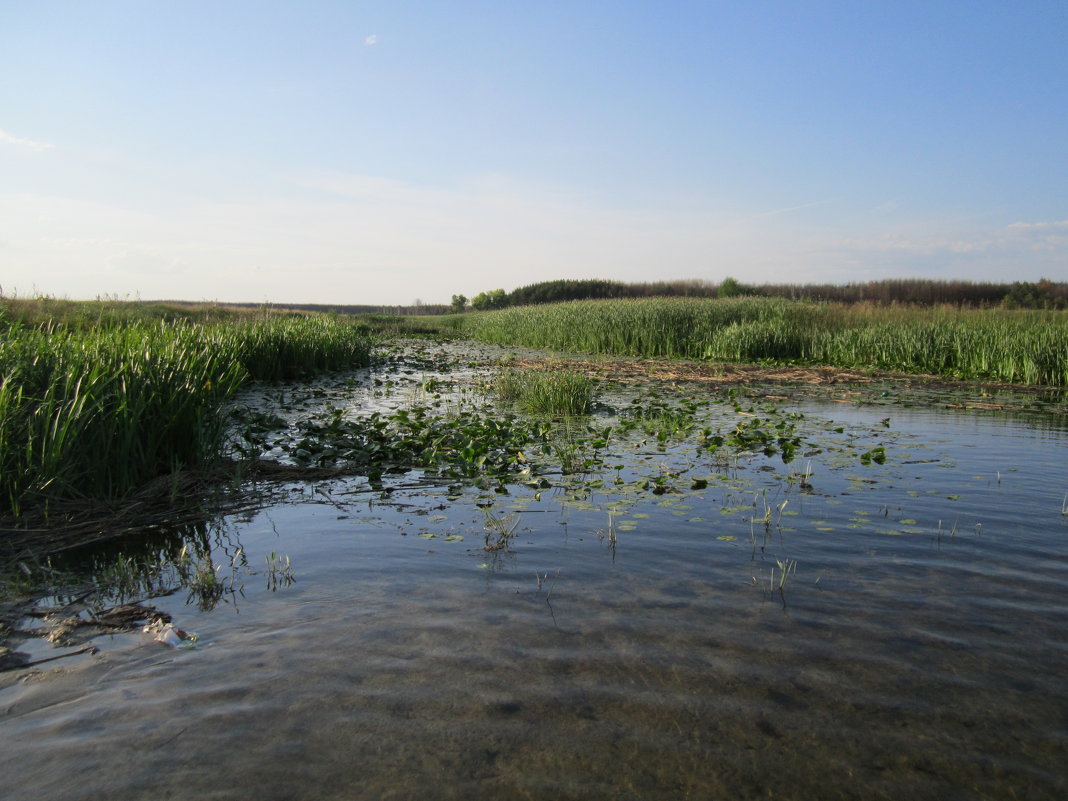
x=389, y=152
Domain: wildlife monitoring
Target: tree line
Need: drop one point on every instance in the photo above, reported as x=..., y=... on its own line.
x=1042, y=294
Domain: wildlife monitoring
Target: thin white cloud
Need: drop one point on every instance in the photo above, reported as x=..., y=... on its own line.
x=887, y=207
x=775, y=212
x=1039, y=226
x=371, y=40
x=9, y=139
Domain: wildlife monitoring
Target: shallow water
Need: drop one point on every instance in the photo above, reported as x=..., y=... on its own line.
x=621, y=645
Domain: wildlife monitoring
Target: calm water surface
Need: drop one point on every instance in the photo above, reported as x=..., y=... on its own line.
x=623, y=645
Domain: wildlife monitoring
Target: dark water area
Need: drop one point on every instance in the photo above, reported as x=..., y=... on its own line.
x=819, y=629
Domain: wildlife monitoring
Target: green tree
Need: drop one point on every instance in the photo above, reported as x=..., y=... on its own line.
x=496, y=299
x=729, y=288
x=459, y=303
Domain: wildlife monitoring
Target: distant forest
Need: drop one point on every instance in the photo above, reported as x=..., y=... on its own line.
x=1043, y=294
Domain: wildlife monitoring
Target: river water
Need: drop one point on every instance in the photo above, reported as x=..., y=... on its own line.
x=892, y=630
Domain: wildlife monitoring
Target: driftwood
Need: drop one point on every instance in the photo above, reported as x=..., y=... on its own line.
x=65, y=627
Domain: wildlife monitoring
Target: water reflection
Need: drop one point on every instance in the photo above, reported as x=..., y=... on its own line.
x=203, y=559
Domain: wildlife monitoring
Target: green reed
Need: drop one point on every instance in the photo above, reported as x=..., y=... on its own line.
x=297, y=347
x=554, y=393
x=1024, y=347
x=94, y=413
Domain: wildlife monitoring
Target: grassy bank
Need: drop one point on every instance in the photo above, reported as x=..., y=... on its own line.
x=90, y=412
x=1023, y=347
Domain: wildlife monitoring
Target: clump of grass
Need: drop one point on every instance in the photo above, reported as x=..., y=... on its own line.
x=499, y=530
x=509, y=385
x=559, y=393
x=554, y=393
x=279, y=349
x=91, y=414
x=95, y=414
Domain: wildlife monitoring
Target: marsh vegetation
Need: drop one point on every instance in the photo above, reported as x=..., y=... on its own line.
x=686, y=564
x=1014, y=347
x=92, y=412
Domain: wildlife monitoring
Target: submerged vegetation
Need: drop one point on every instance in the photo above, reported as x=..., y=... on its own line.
x=93, y=412
x=461, y=443
x=1009, y=346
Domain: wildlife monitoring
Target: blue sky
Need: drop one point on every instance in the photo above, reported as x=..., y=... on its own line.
x=380, y=152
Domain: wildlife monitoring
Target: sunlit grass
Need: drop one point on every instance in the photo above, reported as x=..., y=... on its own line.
x=556, y=393
x=1024, y=347
x=92, y=413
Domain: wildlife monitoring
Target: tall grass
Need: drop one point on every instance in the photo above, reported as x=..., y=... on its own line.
x=94, y=413
x=557, y=393
x=1028, y=347
x=275, y=349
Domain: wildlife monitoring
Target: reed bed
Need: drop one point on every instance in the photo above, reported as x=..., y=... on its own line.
x=558, y=393
x=93, y=414
x=297, y=347
x=1017, y=347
